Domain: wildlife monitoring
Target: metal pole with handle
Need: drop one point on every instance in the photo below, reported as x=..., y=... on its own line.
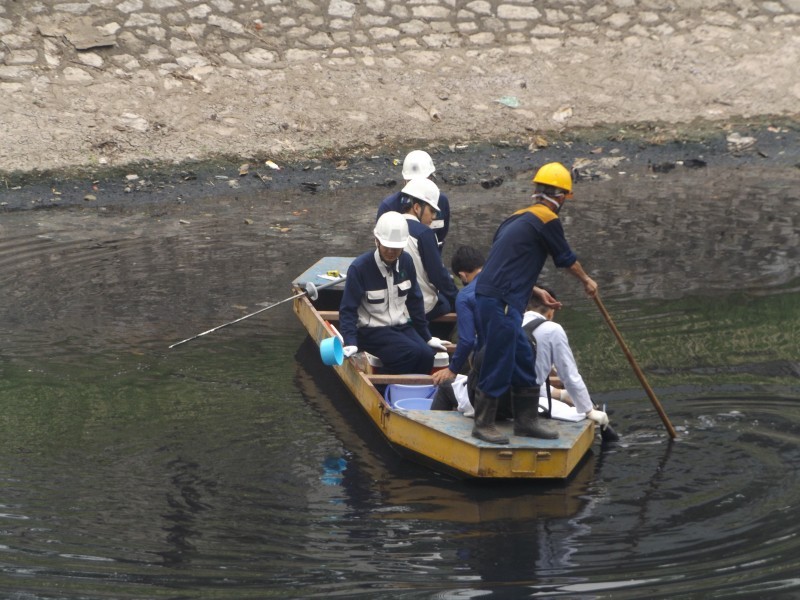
x=660, y=409
x=310, y=291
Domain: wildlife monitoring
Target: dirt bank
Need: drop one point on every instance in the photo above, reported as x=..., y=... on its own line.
x=772, y=142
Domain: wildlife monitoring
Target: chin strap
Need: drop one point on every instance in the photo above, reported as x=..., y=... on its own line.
x=554, y=203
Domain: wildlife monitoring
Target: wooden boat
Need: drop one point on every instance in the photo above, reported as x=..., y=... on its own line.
x=441, y=440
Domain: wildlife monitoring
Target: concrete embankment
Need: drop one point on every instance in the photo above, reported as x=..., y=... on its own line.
x=107, y=83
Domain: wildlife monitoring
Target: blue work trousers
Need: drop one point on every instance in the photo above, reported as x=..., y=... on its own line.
x=400, y=348
x=508, y=358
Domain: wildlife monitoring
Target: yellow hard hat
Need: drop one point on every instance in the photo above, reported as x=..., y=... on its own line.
x=556, y=175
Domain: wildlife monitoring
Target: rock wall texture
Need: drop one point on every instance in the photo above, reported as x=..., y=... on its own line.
x=82, y=81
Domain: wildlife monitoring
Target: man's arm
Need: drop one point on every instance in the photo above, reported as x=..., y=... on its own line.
x=431, y=259
x=589, y=284
x=567, y=369
x=348, y=307
x=414, y=302
x=465, y=321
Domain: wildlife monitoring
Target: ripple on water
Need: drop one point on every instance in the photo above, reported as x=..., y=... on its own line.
x=235, y=466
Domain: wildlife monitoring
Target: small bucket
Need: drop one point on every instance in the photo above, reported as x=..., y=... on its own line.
x=330, y=349
x=440, y=361
x=414, y=403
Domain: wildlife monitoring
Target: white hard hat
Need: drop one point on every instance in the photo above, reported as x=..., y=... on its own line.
x=425, y=190
x=392, y=230
x=417, y=163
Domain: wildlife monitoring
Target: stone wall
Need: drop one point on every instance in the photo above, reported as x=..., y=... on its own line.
x=187, y=34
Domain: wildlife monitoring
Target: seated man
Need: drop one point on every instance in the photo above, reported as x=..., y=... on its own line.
x=466, y=264
x=381, y=286
x=420, y=197
x=553, y=350
x=419, y=164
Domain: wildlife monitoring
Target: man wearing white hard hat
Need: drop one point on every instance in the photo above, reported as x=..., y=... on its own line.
x=381, y=294
x=419, y=164
x=420, y=199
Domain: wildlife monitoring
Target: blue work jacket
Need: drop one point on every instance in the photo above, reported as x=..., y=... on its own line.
x=377, y=296
x=469, y=335
x=518, y=253
x=432, y=275
x=441, y=223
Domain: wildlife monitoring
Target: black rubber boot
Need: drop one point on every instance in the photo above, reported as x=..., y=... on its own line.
x=485, y=411
x=526, y=415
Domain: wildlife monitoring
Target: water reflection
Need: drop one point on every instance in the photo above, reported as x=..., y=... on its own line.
x=237, y=466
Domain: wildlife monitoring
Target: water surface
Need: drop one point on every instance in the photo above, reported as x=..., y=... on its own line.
x=237, y=466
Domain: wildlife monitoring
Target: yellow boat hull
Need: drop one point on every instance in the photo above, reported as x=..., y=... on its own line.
x=443, y=439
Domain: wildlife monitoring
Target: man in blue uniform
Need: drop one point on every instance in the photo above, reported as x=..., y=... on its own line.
x=466, y=263
x=419, y=163
x=381, y=286
x=520, y=247
x=419, y=201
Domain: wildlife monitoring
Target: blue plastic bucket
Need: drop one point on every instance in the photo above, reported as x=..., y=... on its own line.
x=330, y=349
x=397, y=391
x=414, y=403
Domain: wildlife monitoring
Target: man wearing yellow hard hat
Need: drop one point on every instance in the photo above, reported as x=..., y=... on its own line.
x=520, y=247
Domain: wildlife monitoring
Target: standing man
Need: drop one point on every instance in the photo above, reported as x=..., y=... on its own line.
x=419, y=164
x=419, y=201
x=381, y=286
x=520, y=247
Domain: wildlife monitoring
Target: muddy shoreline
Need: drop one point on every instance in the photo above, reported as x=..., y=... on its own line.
x=773, y=142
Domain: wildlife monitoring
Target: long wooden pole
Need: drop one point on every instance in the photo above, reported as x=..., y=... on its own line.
x=670, y=429
x=311, y=291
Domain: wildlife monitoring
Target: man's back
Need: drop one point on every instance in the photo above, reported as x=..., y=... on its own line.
x=519, y=251
x=553, y=349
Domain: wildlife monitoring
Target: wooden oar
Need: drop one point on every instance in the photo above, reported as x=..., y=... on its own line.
x=670, y=429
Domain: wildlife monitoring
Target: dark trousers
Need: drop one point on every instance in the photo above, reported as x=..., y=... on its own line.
x=442, y=307
x=508, y=358
x=400, y=348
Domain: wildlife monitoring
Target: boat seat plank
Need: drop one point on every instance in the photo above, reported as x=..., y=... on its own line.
x=332, y=316
x=381, y=379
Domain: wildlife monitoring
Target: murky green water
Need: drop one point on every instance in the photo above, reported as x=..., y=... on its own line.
x=237, y=466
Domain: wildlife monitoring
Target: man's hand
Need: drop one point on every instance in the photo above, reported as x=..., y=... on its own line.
x=590, y=286
x=442, y=376
x=437, y=344
x=546, y=298
x=349, y=351
x=598, y=416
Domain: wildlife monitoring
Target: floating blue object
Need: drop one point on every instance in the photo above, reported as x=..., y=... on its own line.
x=330, y=349
x=414, y=403
x=333, y=470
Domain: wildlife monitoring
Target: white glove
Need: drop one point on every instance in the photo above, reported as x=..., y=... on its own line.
x=436, y=344
x=598, y=416
x=349, y=351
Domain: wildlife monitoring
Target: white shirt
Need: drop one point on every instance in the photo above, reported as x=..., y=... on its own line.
x=552, y=349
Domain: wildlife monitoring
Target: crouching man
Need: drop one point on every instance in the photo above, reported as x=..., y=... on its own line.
x=382, y=310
